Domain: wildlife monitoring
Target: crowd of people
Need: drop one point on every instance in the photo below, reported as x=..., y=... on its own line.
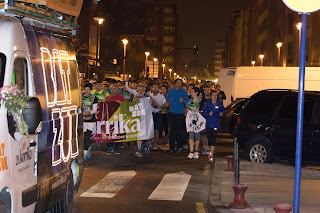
x=171, y=101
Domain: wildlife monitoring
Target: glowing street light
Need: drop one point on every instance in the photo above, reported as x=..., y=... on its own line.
x=125, y=42
x=253, y=63
x=261, y=57
x=170, y=70
x=279, y=45
x=145, y=68
x=163, y=66
x=154, y=60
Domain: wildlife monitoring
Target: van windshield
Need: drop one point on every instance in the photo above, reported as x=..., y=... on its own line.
x=2, y=68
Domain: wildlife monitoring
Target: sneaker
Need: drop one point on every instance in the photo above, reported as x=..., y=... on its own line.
x=210, y=160
x=117, y=153
x=155, y=147
x=108, y=153
x=204, y=151
x=172, y=151
x=190, y=156
x=196, y=155
x=185, y=146
x=146, y=149
x=178, y=150
x=138, y=154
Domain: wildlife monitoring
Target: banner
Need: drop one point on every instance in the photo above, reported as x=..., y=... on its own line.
x=124, y=122
x=195, y=122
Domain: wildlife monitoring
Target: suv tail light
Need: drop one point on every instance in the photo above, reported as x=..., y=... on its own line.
x=232, y=99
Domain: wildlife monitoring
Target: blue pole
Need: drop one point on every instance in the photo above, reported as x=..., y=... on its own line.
x=297, y=178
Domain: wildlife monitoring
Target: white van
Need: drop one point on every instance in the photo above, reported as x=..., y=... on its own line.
x=242, y=82
x=40, y=172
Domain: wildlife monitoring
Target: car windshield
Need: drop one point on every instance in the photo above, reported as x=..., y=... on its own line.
x=2, y=68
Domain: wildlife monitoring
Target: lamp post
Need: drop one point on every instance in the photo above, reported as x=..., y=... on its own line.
x=170, y=70
x=253, y=63
x=99, y=21
x=125, y=42
x=185, y=70
x=163, y=66
x=147, y=54
x=261, y=57
x=299, y=25
x=154, y=60
x=174, y=75
x=279, y=45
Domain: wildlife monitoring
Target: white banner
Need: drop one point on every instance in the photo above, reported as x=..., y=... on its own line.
x=195, y=122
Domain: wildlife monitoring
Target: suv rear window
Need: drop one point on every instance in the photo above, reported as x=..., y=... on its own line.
x=263, y=105
x=288, y=109
x=2, y=68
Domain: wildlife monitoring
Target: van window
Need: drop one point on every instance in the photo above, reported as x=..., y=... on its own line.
x=263, y=105
x=288, y=110
x=2, y=68
x=20, y=75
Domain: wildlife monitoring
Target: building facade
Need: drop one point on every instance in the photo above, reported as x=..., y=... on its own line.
x=161, y=34
x=256, y=31
x=219, y=57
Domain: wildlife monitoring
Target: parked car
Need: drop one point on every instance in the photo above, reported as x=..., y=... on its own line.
x=229, y=119
x=266, y=126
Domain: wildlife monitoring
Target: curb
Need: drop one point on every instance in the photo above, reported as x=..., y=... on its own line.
x=215, y=193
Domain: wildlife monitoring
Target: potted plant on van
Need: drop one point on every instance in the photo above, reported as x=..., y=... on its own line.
x=15, y=103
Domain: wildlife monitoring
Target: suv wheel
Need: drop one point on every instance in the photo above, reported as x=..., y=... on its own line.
x=259, y=150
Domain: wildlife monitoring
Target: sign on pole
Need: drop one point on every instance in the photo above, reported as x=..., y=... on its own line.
x=302, y=6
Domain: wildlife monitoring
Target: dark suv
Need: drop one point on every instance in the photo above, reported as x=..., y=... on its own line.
x=266, y=126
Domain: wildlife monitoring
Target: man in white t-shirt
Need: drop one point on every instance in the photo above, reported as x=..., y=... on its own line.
x=159, y=100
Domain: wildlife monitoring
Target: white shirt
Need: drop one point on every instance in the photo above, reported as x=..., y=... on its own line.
x=159, y=99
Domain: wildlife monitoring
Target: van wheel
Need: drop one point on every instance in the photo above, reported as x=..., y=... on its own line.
x=3, y=207
x=259, y=150
x=68, y=198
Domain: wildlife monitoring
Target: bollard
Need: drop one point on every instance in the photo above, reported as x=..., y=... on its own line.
x=239, y=201
x=230, y=159
x=282, y=208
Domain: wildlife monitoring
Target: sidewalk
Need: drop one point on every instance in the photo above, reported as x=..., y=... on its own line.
x=268, y=185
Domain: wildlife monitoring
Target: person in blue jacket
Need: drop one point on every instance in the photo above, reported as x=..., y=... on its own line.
x=212, y=111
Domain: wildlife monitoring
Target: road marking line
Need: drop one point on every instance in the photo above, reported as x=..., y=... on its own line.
x=110, y=185
x=200, y=207
x=171, y=187
x=206, y=170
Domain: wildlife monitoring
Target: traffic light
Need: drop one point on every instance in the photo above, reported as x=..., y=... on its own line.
x=195, y=50
x=147, y=72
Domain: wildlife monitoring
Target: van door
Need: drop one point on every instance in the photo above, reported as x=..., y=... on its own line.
x=286, y=122
x=23, y=149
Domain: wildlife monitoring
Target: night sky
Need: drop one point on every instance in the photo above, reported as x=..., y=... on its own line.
x=203, y=22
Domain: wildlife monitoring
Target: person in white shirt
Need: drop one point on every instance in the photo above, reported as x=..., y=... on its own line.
x=159, y=100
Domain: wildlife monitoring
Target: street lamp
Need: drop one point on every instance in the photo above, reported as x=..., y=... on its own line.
x=253, y=63
x=163, y=66
x=125, y=42
x=174, y=75
x=147, y=54
x=170, y=70
x=279, y=45
x=261, y=57
x=154, y=60
x=299, y=25
x=99, y=19
x=185, y=70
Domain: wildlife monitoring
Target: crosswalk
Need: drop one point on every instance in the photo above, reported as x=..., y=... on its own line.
x=172, y=186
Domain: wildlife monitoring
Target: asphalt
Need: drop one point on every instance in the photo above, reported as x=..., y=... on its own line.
x=268, y=185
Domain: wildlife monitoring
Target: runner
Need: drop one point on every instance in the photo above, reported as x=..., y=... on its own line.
x=89, y=105
x=212, y=111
